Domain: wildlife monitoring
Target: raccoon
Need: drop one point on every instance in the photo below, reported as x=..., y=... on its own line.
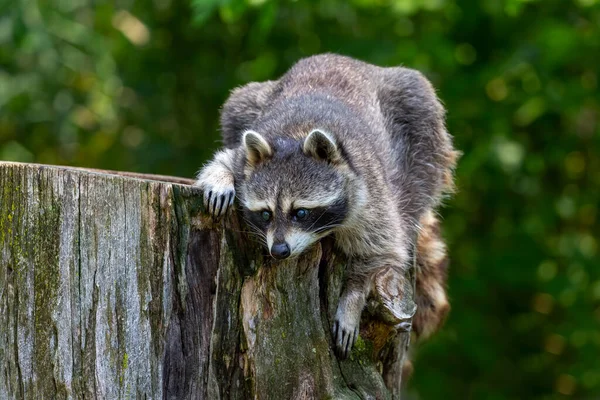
x=340, y=147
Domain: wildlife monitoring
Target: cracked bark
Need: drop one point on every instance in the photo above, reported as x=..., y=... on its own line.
x=116, y=286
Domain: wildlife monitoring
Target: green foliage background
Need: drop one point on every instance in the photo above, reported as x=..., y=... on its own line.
x=137, y=85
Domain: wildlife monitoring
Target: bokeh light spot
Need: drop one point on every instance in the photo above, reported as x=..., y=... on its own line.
x=565, y=384
x=565, y=207
x=589, y=80
x=465, y=54
x=543, y=303
x=575, y=163
x=587, y=245
x=595, y=290
x=496, y=89
x=509, y=153
x=530, y=111
x=132, y=136
x=555, y=344
x=131, y=27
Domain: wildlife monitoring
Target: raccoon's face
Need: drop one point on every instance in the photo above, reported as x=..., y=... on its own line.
x=294, y=192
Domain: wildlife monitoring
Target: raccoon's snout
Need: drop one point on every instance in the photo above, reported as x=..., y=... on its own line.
x=280, y=250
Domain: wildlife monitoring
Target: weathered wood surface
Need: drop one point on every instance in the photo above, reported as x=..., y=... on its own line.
x=113, y=287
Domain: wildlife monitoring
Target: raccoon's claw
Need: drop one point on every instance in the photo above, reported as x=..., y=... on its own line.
x=344, y=337
x=217, y=202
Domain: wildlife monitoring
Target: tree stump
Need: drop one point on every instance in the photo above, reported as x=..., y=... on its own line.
x=117, y=286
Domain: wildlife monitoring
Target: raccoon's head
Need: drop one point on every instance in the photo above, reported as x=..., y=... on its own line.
x=295, y=191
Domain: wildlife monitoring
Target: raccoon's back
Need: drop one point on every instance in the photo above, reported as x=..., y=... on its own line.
x=334, y=93
x=348, y=80
x=328, y=89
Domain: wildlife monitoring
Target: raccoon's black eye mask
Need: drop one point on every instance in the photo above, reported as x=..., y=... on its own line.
x=318, y=219
x=259, y=219
x=321, y=219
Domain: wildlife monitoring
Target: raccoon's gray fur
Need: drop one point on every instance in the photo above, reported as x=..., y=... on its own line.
x=363, y=150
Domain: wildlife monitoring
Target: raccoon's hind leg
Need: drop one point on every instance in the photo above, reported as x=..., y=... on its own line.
x=216, y=179
x=432, y=266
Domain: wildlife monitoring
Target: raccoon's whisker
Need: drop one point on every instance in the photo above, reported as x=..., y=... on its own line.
x=326, y=228
x=251, y=225
x=257, y=232
x=246, y=220
x=248, y=232
x=256, y=235
x=262, y=241
x=259, y=237
x=317, y=220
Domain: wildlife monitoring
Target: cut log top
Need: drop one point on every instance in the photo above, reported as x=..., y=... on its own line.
x=116, y=285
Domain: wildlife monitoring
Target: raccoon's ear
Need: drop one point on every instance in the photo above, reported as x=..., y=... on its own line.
x=322, y=146
x=257, y=148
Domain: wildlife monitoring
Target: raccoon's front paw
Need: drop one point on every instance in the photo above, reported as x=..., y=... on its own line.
x=219, y=192
x=345, y=331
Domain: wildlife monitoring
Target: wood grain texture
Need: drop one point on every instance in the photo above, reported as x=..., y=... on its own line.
x=116, y=286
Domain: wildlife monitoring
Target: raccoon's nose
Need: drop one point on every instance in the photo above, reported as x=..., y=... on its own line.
x=280, y=250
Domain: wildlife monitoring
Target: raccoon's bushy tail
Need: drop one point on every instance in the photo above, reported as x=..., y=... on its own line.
x=430, y=296
x=432, y=272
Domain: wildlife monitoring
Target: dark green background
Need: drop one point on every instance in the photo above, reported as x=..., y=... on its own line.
x=136, y=85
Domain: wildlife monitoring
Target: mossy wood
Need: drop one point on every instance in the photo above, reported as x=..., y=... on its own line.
x=118, y=287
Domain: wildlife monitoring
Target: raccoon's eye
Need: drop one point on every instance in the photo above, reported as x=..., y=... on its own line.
x=301, y=214
x=266, y=215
